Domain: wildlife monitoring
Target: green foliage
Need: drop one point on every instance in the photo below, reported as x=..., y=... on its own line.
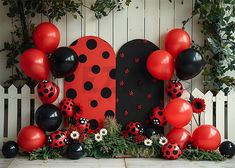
x=218, y=26
x=46, y=153
x=195, y=154
x=115, y=145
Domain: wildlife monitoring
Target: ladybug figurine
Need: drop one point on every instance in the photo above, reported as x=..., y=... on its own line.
x=134, y=129
x=83, y=125
x=157, y=117
x=57, y=139
x=47, y=91
x=171, y=151
x=66, y=107
x=174, y=89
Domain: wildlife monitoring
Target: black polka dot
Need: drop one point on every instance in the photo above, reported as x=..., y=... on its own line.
x=46, y=90
x=171, y=157
x=133, y=129
x=82, y=58
x=168, y=152
x=57, y=137
x=39, y=86
x=160, y=113
x=174, y=90
x=95, y=69
x=71, y=93
x=74, y=43
x=106, y=93
x=93, y=124
x=77, y=109
x=170, y=94
x=109, y=113
x=61, y=142
x=40, y=94
x=170, y=146
x=112, y=74
x=91, y=44
x=94, y=103
x=178, y=94
x=51, y=94
x=88, y=86
x=70, y=78
x=105, y=54
x=175, y=152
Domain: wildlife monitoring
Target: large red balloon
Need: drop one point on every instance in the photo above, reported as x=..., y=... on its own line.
x=206, y=137
x=179, y=136
x=46, y=37
x=176, y=41
x=34, y=64
x=160, y=65
x=178, y=112
x=31, y=138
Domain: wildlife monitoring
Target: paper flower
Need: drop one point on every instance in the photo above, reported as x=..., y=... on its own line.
x=148, y=142
x=98, y=137
x=103, y=132
x=163, y=141
x=74, y=135
x=198, y=105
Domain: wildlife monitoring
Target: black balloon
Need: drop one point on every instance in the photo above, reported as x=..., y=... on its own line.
x=63, y=62
x=48, y=117
x=10, y=149
x=150, y=132
x=227, y=149
x=75, y=151
x=188, y=64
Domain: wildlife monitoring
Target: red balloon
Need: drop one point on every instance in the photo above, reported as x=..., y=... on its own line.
x=176, y=41
x=34, y=63
x=206, y=137
x=179, y=136
x=46, y=37
x=47, y=91
x=31, y=138
x=178, y=112
x=160, y=65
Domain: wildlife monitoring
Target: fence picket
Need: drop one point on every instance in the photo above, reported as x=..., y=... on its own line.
x=231, y=115
x=12, y=112
x=37, y=102
x=1, y=115
x=209, y=108
x=220, y=113
x=25, y=106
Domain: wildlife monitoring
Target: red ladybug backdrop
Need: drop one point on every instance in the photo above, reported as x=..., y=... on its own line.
x=93, y=85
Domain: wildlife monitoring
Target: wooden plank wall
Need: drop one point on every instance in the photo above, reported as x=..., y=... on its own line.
x=149, y=19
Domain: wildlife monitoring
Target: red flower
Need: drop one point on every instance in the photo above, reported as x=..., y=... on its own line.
x=198, y=105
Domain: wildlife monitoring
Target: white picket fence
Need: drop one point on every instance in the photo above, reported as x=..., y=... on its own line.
x=17, y=110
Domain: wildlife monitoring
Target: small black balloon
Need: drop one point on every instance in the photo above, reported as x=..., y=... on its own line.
x=227, y=149
x=188, y=64
x=10, y=149
x=63, y=62
x=150, y=132
x=75, y=151
x=48, y=117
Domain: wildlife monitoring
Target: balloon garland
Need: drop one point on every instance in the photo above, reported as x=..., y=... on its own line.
x=79, y=138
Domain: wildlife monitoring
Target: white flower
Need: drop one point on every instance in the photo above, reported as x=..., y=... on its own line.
x=74, y=135
x=148, y=142
x=103, y=132
x=163, y=140
x=98, y=137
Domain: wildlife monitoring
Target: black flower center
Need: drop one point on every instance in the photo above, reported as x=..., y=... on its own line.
x=198, y=105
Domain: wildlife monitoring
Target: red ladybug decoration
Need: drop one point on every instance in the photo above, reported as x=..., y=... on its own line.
x=157, y=117
x=134, y=128
x=66, y=107
x=83, y=125
x=47, y=91
x=171, y=151
x=57, y=139
x=174, y=89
